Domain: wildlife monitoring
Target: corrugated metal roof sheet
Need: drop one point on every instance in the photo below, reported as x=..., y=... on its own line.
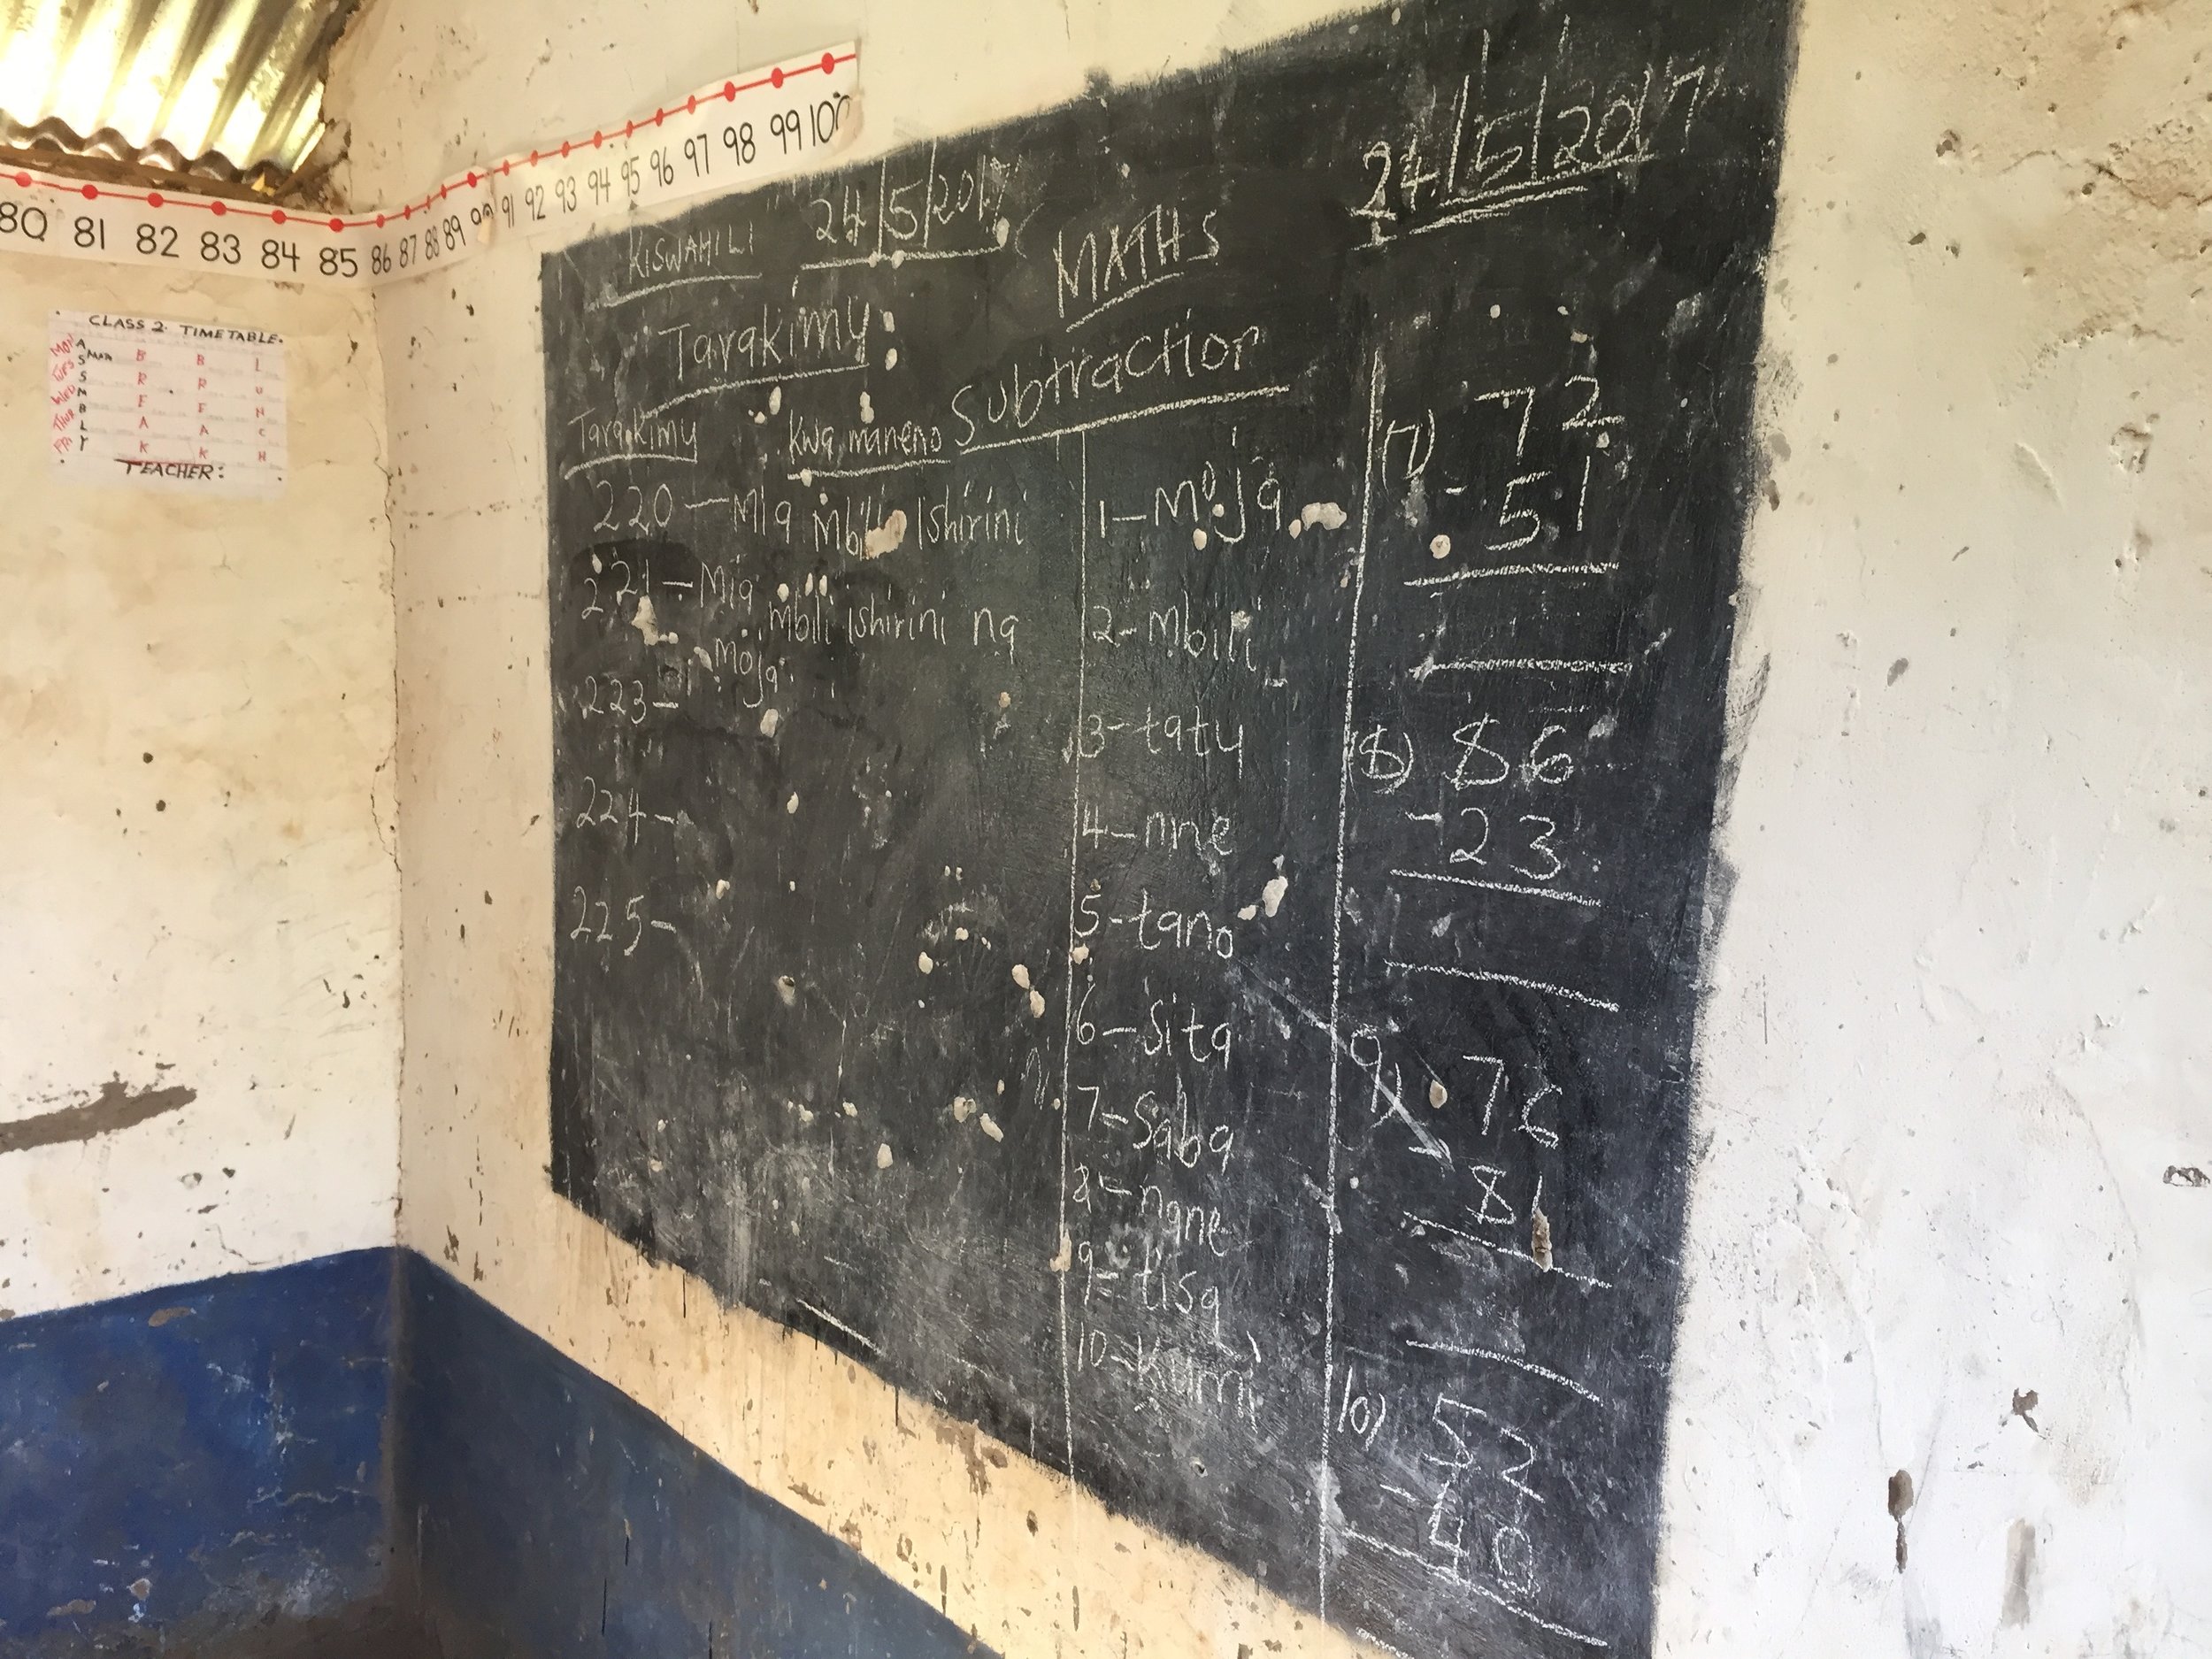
x=225, y=89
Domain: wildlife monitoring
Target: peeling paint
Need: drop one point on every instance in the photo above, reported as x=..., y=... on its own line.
x=886, y=537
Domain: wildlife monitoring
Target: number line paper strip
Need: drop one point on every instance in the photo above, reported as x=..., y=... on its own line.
x=731, y=134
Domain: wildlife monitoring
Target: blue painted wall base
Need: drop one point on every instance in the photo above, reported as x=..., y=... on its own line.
x=198, y=1465
x=360, y=1458
x=558, y=1517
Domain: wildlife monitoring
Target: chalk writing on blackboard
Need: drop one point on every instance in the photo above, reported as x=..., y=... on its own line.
x=1137, y=699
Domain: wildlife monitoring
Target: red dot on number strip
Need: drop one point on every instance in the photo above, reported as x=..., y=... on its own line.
x=276, y=216
x=218, y=209
x=691, y=104
x=829, y=63
x=471, y=182
x=92, y=193
x=729, y=90
x=775, y=76
x=23, y=179
x=153, y=199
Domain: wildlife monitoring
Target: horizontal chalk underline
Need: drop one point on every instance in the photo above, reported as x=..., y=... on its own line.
x=807, y=475
x=1488, y=977
x=1461, y=1351
x=608, y=300
x=1496, y=209
x=1511, y=570
x=1423, y=1223
x=630, y=454
x=1558, y=895
x=739, y=385
x=1518, y=664
x=898, y=257
x=1482, y=1590
x=1126, y=293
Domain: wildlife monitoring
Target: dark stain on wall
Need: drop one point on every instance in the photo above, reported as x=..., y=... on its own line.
x=116, y=1106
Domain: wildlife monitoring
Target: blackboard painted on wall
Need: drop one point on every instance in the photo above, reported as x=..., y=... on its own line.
x=1137, y=703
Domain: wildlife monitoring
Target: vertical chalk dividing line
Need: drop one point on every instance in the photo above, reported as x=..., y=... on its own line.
x=1063, y=1247
x=1324, y=1480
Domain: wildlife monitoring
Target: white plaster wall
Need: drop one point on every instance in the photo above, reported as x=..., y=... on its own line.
x=197, y=882
x=1962, y=1020
x=1957, y=1028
